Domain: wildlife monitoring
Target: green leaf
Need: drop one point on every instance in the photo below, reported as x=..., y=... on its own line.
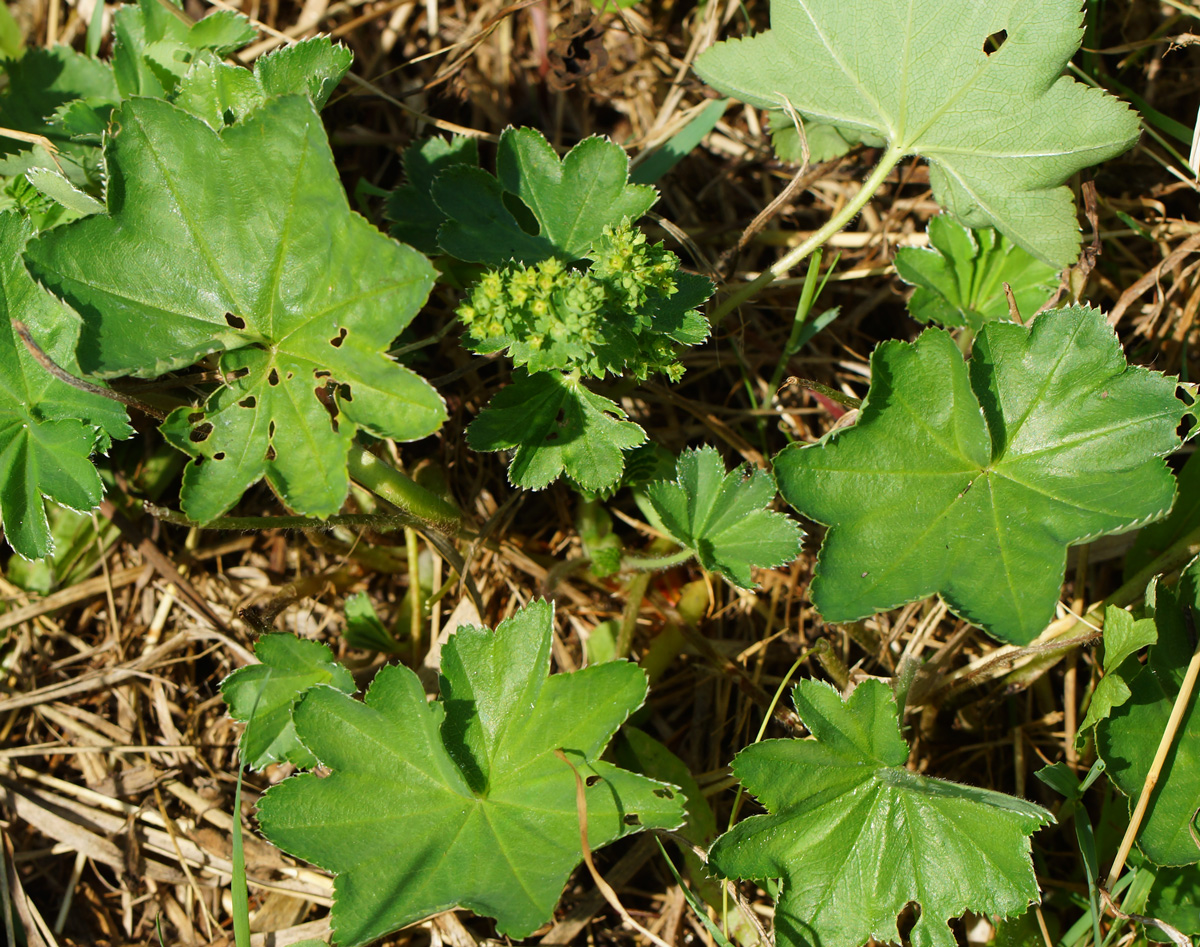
x=214, y=243
x=311, y=67
x=825, y=142
x=222, y=94
x=364, y=629
x=263, y=696
x=971, y=483
x=462, y=802
x=1002, y=129
x=721, y=516
x=415, y=217
x=39, y=84
x=860, y=836
x=48, y=429
x=960, y=277
x=555, y=426
x=55, y=186
x=1123, y=637
x=563, y=206
x=1128, y=740
x=222, y=31
x=1175, y=898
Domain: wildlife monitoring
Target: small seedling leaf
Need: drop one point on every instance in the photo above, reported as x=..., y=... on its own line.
x=722, y=516
x=857, y=836
x=970, y=482
x=554, y=425
x=1002, y=128
x=254, y=253
x=263, y=696
x=462, y=802
x=960, y=276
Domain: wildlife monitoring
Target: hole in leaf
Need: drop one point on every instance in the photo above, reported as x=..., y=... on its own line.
x=345, y=393
x=271, y=429
x=200, y=433
x=995, y=41
x=560, y=421
x=249, y=402
x=592, y=780
x=291, y=375
x=195, y=416
x=239, y=373
x=270, y=452
x=228, y=117
x=632, y=819
x=273, y=378
x=325, y=396
x=235, y=321
x=338, y=339
x=664, y=793
x=321, y=373
x=219, y=455
x=198, y=461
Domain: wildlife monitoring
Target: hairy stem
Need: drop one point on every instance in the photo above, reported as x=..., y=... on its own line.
x=890, y=159
x=652, y=563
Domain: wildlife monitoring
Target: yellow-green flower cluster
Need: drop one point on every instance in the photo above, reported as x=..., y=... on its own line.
x=599, y=320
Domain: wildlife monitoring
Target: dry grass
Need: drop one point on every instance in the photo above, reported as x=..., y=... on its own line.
x=117, y=764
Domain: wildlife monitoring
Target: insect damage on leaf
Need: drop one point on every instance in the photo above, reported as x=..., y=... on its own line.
x=253, y=253
x=971, y=481
x=1002, y=129
x=463, y=801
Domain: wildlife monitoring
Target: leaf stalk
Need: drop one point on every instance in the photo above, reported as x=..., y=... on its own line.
x=818, y=239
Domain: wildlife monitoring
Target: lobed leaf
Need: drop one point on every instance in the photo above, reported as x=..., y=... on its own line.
x=1002, y=128
x=563, y=206
x=855, y=836
x=463, y=802
x=414, y=215
x=555, y=425
x=1123, y=637
x=213, y=243
x=971, y=482
x=48, y=429
x=721, y=516
x=263, y=696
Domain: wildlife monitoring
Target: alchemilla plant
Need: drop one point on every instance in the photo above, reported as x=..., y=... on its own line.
x=180, y=250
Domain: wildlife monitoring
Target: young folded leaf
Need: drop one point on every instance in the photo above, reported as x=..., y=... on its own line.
x=1128, y=740
x=971, y=482
x=215, y=243
x=960, y=276
x=463, y=802
x=1002, y=128
x=721, y=516
x=855, y=836
x=263, y=696
x=48, y=429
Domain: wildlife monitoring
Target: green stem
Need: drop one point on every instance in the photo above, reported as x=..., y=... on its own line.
x=890, y=159
x=653, y=563
x=382, y=522
x=803, y=308
x=385, y=481
x=634, y=594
